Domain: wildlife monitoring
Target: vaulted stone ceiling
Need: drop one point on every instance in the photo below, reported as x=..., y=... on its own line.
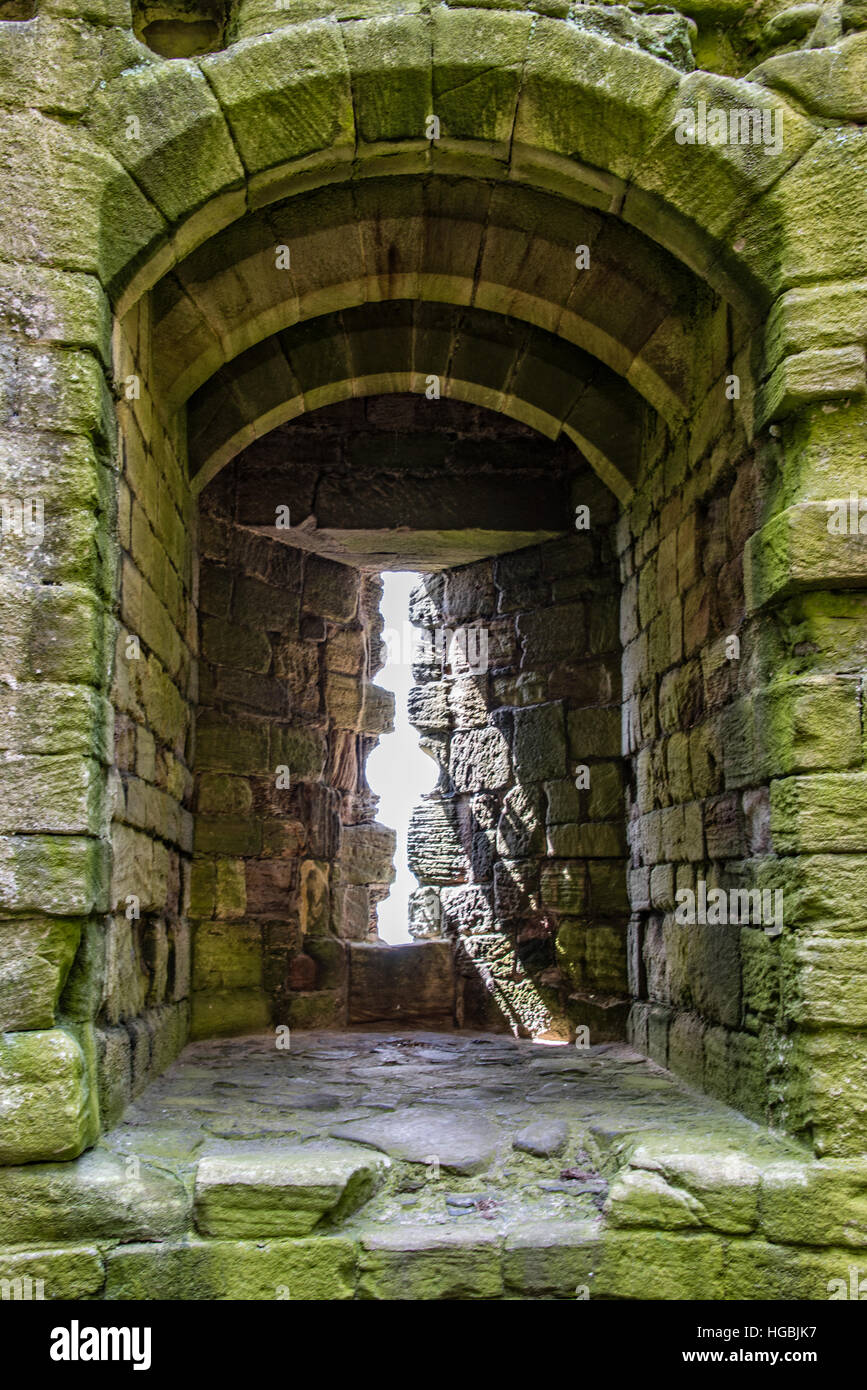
x=558, y=316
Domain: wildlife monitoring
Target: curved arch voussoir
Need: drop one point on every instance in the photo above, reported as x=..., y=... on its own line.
x=503, y=250
x=501, y=364
x=548, y=105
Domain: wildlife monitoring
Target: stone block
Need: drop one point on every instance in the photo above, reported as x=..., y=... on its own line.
x=822, y=981
x=345, y=651
x=302, y=972
x=685, y=1048
x=377, y=713
x=184, y=153
x=320, y=1008
x=49, y=1111
x=290, y=1194
x=795, y=551
x=828, y=1083
x=215, y=590
x=425, y=916
x=270, y=884
x=823, y=889
x=539, y=743
x=66, y=1273
x=593, y=733
x=565, y=887
x=229, y=644
x=820, y=1204
x=551, y=1259
x=422, y=1263
x=428, y=705
x=229, y=1012
x=466, y=910
x=264, y=91
x=756, y=1269
x=61, y=795
x=660, y=1265
x=329, y=959
x=605, y=960
x=563, y=802
x=516, y=887
x=367, y=854
x=479, y=760
x=221, y=794
x=723, y=827
x=646, y=1199
x=297, y=663
x=100, y=1196
x=606, y=791
x=396, y=984
x=717, y=1187
x=230, y=892
x=114, y=1073
x=806, y=726
x=435, y=847
x=35, y=958
x=330, y=590
x=320, y=1268
x=352, y=912
x=478, y=103
x=259, y=605
x=469, y=593
x=227, y=835
x=468, y=702
x=819, y=812
x=41, y=718
x=231, y=745
x=608, y=893
x=126, y=979
x=520, y=829
x=300, y=749
x=344, y=697
x=594, y=840
x=227, y=956
x=658, y=1028
x=553, y=634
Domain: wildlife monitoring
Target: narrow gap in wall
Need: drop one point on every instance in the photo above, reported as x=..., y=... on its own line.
x=397, y=770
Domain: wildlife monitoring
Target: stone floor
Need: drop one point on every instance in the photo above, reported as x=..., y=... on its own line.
x=431, y=1151
x=416, y=1165
x=475, y=1126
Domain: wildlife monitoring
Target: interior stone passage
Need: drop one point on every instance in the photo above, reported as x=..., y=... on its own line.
x=563, y=308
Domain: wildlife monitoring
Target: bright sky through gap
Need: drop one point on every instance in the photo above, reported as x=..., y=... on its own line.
x=398, y=771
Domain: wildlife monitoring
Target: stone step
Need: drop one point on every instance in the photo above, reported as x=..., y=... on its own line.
x=283, y=1192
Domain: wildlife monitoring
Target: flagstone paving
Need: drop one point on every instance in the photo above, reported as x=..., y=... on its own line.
x=471, y=1127
x=415, y=1165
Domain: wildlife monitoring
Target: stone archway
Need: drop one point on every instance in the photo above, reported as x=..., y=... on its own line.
x=519, y=661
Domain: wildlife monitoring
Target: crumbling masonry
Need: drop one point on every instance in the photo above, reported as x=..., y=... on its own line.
x=563, y=305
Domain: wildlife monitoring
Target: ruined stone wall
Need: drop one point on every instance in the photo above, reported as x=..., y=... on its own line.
x=520, y=851
x=113, y=652
x=698, y=806
x=139, y=965
x=742, y=703
x=57, y=435
x=289, y=860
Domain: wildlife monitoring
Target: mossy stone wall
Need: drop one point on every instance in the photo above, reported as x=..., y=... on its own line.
x=288, y=859
x=118, y=163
